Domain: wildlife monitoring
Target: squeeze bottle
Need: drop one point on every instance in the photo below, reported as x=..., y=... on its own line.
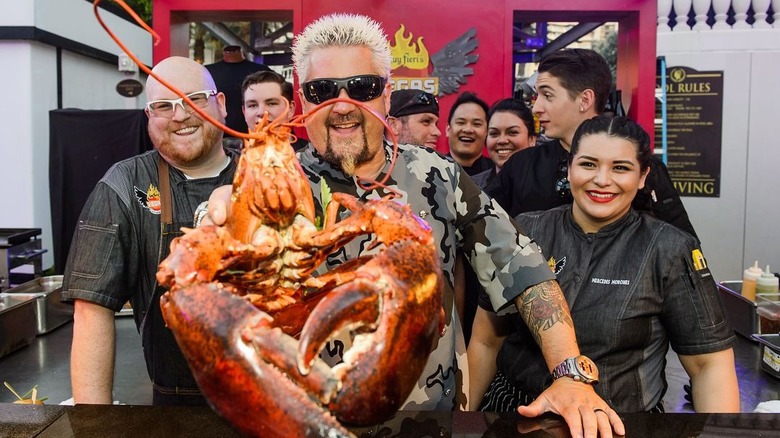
x=749, y=278
x=767, y=283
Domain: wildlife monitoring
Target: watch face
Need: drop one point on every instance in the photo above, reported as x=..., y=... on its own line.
x=587, y=368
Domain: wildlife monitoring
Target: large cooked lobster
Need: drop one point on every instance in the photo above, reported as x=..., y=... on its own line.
x=240, y=292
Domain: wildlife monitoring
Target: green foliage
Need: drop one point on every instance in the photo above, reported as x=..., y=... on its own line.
x=326, y=197
x=141, y=7
x=31, y=394
x=608, y=49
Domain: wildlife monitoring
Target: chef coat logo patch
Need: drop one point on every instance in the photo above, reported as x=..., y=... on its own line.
x=698, y=260
x=150, y=199
x=556, y=266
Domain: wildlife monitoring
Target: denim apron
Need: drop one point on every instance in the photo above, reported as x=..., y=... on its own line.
x=172, y=380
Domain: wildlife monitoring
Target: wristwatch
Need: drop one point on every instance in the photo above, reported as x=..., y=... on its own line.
x=579, y=368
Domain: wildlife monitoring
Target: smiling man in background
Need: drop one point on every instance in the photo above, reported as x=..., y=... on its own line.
x=268, y=91
x=413, y=117
x=467, y=132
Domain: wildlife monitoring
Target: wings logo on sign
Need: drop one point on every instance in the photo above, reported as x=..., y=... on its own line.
x=450, y=65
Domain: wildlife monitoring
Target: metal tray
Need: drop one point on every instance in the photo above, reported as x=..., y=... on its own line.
x=12, y=236
x=17, y=322
x=50, y=312
x=740, y=311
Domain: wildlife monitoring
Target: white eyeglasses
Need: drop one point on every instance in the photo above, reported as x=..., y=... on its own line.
x=167, y=107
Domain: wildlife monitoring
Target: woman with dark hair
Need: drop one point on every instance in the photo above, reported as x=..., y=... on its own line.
x=635, y=286
x=511, y=128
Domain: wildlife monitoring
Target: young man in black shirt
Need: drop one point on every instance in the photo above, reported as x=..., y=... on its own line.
x=573, y=85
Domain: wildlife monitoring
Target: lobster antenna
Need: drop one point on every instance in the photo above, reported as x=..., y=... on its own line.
x=298, y=121
x=147, y=70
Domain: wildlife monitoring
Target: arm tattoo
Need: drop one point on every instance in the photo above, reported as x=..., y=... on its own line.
x=543, y=306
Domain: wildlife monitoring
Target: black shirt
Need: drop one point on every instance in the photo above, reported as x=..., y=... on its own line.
x=482, y=164
x=527, y=182
x=634, y=288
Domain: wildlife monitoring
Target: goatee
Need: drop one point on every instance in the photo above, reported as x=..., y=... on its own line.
x=353, y=154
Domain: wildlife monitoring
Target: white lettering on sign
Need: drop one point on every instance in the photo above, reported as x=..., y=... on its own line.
x=429, y=84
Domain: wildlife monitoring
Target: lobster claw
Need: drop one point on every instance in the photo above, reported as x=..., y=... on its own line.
x=250, y=382
x=395, y=302
x=243, y=355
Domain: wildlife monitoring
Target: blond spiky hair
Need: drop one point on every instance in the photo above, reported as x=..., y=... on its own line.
x=341, y=30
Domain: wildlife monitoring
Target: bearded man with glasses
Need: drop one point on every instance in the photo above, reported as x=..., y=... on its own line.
x=125, y=230
x=344, y=55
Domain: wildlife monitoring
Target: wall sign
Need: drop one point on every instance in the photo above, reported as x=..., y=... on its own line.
x=450, y=65
x=129, y=88
x=694, y=116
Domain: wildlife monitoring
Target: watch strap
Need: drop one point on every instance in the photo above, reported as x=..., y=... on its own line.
x=570, y=368
x=563, y=369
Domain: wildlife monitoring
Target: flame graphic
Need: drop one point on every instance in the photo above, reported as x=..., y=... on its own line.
x=153, y=199
x=407, y=54
x=152, y=192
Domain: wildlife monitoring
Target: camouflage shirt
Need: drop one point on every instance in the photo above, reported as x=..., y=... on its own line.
x=462, y=217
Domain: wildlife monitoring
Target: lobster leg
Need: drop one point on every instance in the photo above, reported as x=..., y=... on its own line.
x=208, y=323
x=185, y=265
x=399, y=294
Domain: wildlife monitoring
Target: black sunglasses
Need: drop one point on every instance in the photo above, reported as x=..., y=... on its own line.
x=362, y=88
x=562, y=187
x=424, y=98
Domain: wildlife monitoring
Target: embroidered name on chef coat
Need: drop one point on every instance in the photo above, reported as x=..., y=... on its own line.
x=610, y=281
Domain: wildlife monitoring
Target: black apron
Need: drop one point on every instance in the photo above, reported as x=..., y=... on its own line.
x=172, y=380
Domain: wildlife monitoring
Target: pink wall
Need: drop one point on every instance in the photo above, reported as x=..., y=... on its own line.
x=440, y=22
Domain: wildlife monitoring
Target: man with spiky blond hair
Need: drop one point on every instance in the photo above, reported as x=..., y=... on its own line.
x=344, y=55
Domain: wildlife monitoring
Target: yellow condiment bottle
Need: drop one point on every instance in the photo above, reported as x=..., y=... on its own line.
x=749, y=279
